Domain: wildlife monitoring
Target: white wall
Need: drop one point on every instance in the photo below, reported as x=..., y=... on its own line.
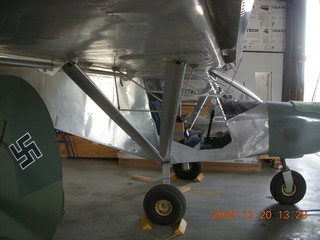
x=312, y=66
x=261, y=62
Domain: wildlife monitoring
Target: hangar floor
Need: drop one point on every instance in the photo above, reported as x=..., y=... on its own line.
x=103, y=202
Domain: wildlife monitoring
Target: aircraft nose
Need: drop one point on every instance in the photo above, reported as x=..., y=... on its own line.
x=294, y=128
x=308, y=114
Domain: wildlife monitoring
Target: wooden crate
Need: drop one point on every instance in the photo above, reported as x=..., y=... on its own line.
x=207, y=166
x=86, y=149
x=138, y=162
x=275, y=162
x=188, y=107
x=178, y=131
x=232, y=166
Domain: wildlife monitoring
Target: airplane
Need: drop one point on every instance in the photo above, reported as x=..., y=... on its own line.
x=115, y=72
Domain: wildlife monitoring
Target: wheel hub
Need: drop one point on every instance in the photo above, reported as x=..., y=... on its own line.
x=163, y=207
x=289, y=194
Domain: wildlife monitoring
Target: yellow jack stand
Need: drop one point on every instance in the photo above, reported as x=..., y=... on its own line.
x=180, y=228
x=199, y=178
x=146, y=224
x=174, y=178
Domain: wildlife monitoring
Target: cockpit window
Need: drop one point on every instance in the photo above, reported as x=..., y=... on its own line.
x=234, y=108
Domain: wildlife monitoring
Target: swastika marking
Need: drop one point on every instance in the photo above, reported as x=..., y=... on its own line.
x=24, y=152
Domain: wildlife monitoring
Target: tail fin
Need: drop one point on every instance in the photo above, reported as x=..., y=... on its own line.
x=31, y=195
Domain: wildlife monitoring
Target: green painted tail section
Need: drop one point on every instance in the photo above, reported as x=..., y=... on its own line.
x=31, y=195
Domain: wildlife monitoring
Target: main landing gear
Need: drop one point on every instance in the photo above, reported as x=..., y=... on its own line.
x=164, y=204
x=288, y=187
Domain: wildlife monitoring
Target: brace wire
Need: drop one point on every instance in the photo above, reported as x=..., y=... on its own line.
x=153, y=95
x=115, y=80
x=234, y=76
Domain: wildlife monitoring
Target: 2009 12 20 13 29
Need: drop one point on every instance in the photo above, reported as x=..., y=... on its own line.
x=263, y=214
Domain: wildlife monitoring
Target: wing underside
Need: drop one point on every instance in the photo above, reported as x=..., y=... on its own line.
x=123, y=45
x=137, y=34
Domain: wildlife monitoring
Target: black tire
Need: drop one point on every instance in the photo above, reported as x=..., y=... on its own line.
x=195, y=170
x=171, y=197
x=277, y=186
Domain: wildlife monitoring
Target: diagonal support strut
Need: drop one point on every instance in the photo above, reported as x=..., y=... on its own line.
x=172, y=91
x=175, y=71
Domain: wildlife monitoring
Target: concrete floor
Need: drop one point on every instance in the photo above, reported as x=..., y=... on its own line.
x=102, y=202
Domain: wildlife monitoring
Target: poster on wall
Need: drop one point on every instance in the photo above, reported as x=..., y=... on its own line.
x=266, y=29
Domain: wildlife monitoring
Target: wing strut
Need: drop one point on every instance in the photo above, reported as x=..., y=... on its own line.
x=87, y=85
x=175, y=71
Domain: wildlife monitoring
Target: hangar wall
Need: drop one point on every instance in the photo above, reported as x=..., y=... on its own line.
x=264, y=47
x=257, y=62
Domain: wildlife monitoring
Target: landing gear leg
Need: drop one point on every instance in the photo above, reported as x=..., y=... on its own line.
x=287, y=186
x=166, y=173
x=164, y=204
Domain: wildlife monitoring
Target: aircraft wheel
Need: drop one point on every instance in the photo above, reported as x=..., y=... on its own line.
x=164, y=204
x=192, y=173
x=277, y=188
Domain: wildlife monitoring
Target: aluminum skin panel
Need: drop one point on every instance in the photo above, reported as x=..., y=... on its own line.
x=74, y=112
x=250, y=137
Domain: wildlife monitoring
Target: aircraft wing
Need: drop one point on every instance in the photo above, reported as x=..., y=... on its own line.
x=135, y=37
